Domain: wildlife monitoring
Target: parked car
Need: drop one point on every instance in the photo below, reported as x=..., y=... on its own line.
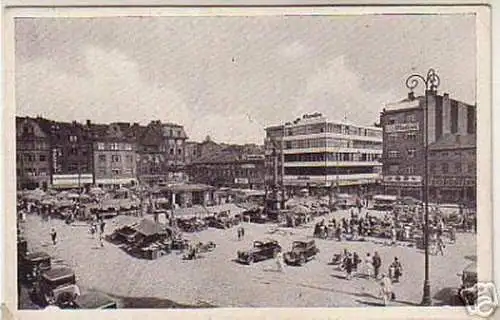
x=54, y=284
x=262, y=250
x=467, y=292
x=32, y=264
x=301, y=252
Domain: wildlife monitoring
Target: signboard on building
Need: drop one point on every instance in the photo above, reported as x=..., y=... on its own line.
x=248, y=166
x=241, y=180
x=402, y=127
x=72, y=180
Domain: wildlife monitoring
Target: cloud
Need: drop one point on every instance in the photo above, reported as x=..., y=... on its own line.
x=337, y=91
x=110, y=89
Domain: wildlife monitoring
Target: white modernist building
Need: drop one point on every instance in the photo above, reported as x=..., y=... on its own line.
x=314, y=152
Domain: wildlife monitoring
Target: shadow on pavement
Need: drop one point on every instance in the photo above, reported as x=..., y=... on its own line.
x=370, y=303
x=157, y=303
x=447, y=297
x=471, y=258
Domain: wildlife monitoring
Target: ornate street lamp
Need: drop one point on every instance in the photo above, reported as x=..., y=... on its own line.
x=431, y=82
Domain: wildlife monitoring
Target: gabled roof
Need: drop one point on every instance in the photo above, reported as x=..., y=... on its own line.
x=454, y=141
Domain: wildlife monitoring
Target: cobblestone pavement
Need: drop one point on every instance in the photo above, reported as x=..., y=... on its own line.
x=218, y=280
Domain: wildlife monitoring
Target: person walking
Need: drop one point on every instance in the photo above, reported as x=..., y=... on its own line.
x=440, y=245
x=101, y=242
x=279, y=262
x=242, y=233
x=393, y=236
x=239, y=233
x=386, y=289
x=368, y=266
x=102, y=225
x=377, y=262
x=349, y=265
x=53, y=235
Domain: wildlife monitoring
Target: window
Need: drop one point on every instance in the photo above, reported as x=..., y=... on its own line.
x=412, y=153
x=73, y=151
x=102, y=158
x=115, y=158
x=73, y=139
x=114, y=146
x=458, y=167
x=130, y=159
x=171, y=132
x=411, y=136
x=179, y=151
x=43, y=158
x=116, y=171
x=171, y=151
x=393, y=154
x=127, y=146
x=432, y=168
x=392, y=137
x=410, y=170
x=100, y=146
x=411, y=118
x=444, y=168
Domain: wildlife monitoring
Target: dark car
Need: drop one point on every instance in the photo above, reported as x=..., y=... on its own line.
x=301, y=252
x=94, y=300
x=262, y=250
x=467, y=292
x=33, y=264
x=54, y=285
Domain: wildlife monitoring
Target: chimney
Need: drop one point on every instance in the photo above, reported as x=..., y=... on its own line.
x=446, y=114
x=411, y=96
x=88, y=122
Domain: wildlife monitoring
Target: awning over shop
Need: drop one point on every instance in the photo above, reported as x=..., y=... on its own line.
x=178, y=188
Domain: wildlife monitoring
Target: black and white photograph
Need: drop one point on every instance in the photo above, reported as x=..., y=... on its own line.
x=228, y=160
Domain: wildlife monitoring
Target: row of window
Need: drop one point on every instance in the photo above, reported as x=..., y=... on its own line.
x=116, y=158
x=33, y=145
x=331, y=156
x=410, y=153
x=34, y=158
x=114, y=146
x=398, y=136
x=323, y=171
x=326, y=142
x=33, y=172
x=445, y=168
x=333, y=128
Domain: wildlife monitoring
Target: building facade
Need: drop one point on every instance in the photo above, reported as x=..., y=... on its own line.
x=452, y=169
x=33, y=154
x=114, y=156
x=230, y=167
x=404, y=135
x=161, y=153
x=71, y=155
x=315, y=153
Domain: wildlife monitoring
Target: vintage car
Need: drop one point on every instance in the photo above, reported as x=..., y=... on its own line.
x=301, y=252
x=191, y=225
x=32, y=264
x=54, y=285
x=467, y=292
x=262, y=250
x=93, y=300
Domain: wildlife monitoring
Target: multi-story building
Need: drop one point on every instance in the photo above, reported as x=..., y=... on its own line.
x=318, y=154
x=196, y=150
x=33, y=153
x=114, y=155
x=452, y=169
x=71, y=155
x=161, y=153
x=404, y=134
x=230, y=167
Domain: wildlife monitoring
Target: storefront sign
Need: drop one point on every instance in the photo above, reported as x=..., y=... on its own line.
x=241, y=180
x=402, y=127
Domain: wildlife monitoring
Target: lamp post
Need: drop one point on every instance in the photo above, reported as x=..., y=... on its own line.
x=431, y=82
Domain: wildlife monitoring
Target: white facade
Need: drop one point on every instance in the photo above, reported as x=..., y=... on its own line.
x=313, y=151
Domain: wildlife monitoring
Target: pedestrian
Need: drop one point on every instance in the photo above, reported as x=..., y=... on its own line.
x=393, y=236
x=53, y=235
x=279, y=261
x=368, y=266
x=239, y=233
x=102, y=225
x=386, y=289
x=338, y=233
x=92, y=229
x=440, y=245
x=355, y=262
x=242, y=232
x=101, y=242
x=348, y=265
x=377, y=262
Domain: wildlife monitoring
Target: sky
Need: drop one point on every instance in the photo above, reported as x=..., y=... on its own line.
x=230, y=77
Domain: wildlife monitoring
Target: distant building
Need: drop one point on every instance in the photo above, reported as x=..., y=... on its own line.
x=312, y=152
x=232, y=166
x=114, y=155
x=161, y=153
x=404, y=133
x=33, y=154
x=71, y=148
x=196, y=150
x=452, y=168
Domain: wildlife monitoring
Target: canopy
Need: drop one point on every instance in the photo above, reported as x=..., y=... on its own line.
x=232, y=208
x=148, y=228
x=383, y=197
x=300, y=209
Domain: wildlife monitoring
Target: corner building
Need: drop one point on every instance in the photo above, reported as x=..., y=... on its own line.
x=312, y=152
x=404, y=138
